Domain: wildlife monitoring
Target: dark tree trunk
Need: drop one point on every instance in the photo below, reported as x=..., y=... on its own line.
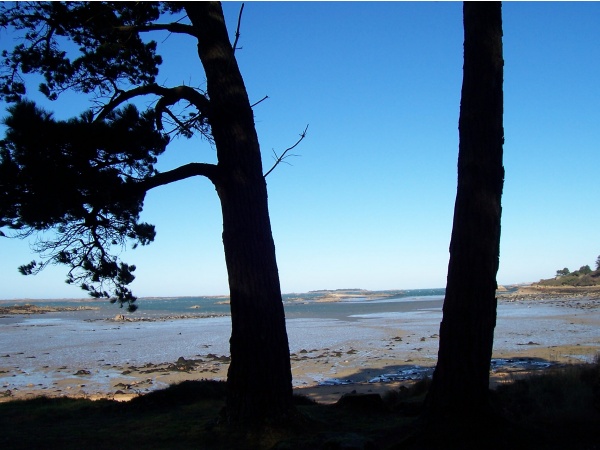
x=461, y=378
x=259, y=378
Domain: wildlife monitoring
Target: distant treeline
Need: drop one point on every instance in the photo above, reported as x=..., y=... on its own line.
x=585, y=276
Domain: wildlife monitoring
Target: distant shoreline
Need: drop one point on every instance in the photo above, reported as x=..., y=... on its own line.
x=539, y=292
x=338, y=293
x=505, y=293
x=34, y=309
x=518, y=291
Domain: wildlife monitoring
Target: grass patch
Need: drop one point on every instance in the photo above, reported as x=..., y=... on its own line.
x=558, y=409
x=568, y=394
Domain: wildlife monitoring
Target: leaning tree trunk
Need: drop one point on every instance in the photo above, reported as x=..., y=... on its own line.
x=259, y=379
x=461, y=378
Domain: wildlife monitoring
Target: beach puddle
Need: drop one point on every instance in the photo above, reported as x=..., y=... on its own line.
x=334, y=382
x=410, y=373
x=501, y=364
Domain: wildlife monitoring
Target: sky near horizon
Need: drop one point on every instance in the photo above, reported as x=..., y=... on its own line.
x=368, y=202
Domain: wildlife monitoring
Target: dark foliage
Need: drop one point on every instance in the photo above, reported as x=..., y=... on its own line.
x=109, y=54
x=80, y=184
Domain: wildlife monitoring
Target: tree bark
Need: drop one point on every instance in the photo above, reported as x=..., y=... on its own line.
x=461, y=379
x=259, y=378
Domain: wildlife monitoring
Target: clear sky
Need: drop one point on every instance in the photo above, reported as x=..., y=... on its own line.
x=369, y=201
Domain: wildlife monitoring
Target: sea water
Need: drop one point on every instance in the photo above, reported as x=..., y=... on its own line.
x=296, y=305
x=162, y=330
x=193, y=327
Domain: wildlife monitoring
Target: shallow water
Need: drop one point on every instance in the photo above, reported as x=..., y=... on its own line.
x=40, y=349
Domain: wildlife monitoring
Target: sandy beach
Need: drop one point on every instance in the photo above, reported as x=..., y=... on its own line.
x=371, y=353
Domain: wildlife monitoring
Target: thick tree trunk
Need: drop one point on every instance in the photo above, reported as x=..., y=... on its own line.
x=461, y=378
x=259, y=378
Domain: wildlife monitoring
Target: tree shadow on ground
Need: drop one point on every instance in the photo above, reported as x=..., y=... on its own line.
x=391, y=377
x=555, y=409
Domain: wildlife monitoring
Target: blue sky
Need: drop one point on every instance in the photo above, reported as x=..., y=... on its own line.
x=369, y=201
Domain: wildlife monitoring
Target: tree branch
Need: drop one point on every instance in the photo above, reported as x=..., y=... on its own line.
x=284, y=155
x=209, y=171
x=171, y=95
x=260, y=101
x=178, y=123
x=237, y=31
x=171, y=27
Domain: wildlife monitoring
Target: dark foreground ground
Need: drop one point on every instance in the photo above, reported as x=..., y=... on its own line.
x=558, y=409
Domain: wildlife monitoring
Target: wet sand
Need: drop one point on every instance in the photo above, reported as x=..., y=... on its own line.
x=371, y=353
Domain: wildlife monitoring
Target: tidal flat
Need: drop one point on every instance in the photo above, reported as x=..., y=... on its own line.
x=363, y=343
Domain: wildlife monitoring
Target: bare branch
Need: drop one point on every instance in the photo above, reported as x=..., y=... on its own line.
x=175, y=119
x=260, y=101
x=170, y=95
x=284, y=155
x=237, y=31
x=209, y=171
x=171, y=27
